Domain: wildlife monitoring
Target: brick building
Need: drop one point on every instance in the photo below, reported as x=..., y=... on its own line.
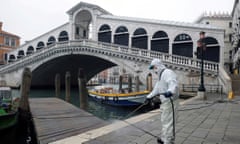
x=8, y=42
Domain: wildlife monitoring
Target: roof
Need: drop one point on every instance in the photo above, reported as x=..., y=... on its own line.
x=214, y=15
x=162, y=22
x=7, y=33
x=84, y=4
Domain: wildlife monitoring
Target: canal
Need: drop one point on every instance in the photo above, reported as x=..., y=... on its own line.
x=100, y=110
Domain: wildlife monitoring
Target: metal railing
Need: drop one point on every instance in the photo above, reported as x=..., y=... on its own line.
x=212, y=88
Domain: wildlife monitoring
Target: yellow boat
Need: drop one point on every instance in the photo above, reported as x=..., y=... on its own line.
x=120, y=99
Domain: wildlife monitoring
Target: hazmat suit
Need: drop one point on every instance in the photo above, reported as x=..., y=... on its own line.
x=166, y=88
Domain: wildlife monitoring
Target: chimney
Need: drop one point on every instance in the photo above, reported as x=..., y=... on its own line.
x=1, y=26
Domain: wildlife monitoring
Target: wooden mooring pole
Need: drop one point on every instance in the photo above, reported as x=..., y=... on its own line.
x=24, y=114
x=149, y=82
x=67, y=86
x=25, y=89
x=120, y=83
x=83, y=92
x=57, y=85
x=129, y=83
x=137, y=84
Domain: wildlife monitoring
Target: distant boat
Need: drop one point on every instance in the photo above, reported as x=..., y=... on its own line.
x=8, y=113
x=107, y=96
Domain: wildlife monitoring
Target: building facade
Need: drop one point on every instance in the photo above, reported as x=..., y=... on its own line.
x=236, y=37
x=8, y=42
x=224, y=21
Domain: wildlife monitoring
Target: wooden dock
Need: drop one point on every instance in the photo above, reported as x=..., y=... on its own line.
x=56, y=119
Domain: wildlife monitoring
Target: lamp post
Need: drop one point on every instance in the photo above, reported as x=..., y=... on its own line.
x=201, y=48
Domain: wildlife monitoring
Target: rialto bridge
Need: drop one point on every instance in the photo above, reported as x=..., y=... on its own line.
x=95, y=39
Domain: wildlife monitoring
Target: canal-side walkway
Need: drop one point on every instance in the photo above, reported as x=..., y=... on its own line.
x=199, y=122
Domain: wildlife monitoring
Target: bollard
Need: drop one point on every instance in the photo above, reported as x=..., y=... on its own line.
x=57, y=85
x=120, y=83
x=149, y=82
x=67, y=86
x=137, y=84
x=129, y=83
x=83, y=92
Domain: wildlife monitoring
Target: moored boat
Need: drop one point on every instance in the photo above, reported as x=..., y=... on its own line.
x=8, y=113
x=119, y=99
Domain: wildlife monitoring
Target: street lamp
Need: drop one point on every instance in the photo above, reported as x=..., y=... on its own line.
x=200, y=52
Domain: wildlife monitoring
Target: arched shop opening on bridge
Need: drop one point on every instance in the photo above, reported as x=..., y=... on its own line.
x=105, y=34
x=160, y=42
x=183, y=45
x=51, y=40
x=30, y=50
x=63, y=36
x=121, y=36
x=20, y=54
x=212, y=51
x=140, y=39
x=40, y=45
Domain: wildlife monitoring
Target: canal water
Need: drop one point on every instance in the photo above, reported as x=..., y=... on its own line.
x=98, y=109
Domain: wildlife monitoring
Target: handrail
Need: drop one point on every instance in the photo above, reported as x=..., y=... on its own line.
x=109, y=47
x=208, y=87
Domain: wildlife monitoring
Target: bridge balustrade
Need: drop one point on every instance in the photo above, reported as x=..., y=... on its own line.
x=59, y=48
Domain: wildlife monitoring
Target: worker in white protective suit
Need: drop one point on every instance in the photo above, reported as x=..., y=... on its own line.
x=167, y=90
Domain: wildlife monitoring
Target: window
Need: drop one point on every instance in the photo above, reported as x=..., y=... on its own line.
x=13, y=42
x=7, y=41
x=230, y=24
x=230, y=37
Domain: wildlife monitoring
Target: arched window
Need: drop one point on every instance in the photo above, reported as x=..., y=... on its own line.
x=12, y=58
x=63, y=36
x=160, y=42
x=121, y=36
x=140, y=39
x=183, y=45
x=105, y=34
x=20, y=54
x=51, y=40
x=30, y=50
x=40, y=45
x=212, y=51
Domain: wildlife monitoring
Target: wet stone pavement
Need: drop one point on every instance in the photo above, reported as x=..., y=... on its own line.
x=199, y=122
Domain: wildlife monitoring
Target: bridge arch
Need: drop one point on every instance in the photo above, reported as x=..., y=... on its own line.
x=121, y=36
x=30, y=50
x=160, y=42
x=51, y=40
x=105, y=33
x=63, y=36
x=183, y=45
x=20, y=54
x=83, y=24
x=40, y=45
x=140, y=39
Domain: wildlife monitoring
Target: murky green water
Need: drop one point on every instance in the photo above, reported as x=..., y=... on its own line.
x=102, y=111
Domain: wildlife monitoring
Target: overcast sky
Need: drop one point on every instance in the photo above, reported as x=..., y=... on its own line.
x=31, y=18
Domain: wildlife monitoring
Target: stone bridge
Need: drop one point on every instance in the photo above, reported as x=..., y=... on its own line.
x=95, y=40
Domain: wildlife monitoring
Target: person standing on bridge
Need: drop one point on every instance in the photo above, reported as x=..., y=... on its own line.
x=167, y=90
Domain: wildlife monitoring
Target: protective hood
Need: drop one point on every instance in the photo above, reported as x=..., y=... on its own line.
x=157, y=63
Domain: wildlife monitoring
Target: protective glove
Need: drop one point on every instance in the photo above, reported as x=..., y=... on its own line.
x=147, y=101
x=167, y=94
